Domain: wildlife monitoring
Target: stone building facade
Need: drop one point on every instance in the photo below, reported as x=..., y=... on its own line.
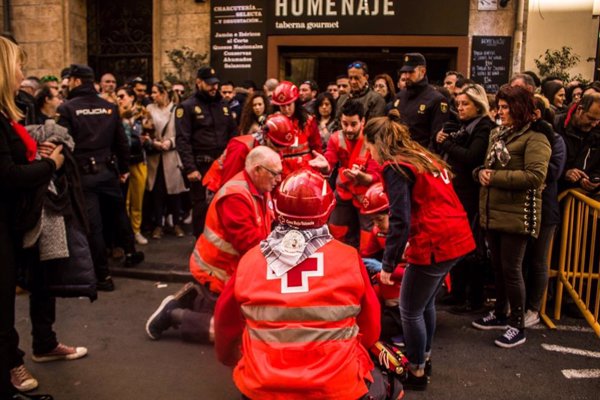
x=56, y=33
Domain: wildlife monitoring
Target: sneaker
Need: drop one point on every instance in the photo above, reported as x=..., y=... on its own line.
x=531, y=318
x=511, y=338
x=105, y=285
x=398, y=340
x=22, y=379
x=157, y=233
x=489, y=322
x=61, y=352
x=140, y=239
x=160, y=320
x=134, y=258
x=178, y=231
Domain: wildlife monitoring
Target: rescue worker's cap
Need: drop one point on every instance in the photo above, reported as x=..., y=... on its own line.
x=280, y=130
x=375, y=200
x=285, y=93
x=304, y=200
x=208, y=75
x=412, y=61
x=80, y=71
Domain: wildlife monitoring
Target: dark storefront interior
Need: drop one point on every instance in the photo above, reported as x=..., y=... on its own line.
x=323, y=64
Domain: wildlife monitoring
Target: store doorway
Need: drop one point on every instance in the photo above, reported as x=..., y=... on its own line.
x=298, y=64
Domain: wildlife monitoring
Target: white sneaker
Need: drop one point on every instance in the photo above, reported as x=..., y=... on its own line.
x=140, y=239
x=531, y=318
x=22, y=380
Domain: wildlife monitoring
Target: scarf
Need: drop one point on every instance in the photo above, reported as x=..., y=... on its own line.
x=286, y=247
x=30, y=144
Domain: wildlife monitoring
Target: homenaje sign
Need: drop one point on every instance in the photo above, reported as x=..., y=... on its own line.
x=238, y=40
x=368, y=17
x=490, y=61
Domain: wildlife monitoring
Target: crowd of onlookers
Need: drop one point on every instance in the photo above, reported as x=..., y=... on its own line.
x=506, y=178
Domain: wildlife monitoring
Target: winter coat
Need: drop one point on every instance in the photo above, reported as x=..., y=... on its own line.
x=512, y=202
x=164, y=129
x=465, y=151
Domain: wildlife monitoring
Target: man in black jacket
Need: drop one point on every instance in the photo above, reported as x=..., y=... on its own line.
x=579, y=127
x=102, y=153
x=422, y=108
x=204, y=125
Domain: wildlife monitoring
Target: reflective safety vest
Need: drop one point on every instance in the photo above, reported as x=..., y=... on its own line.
x=214, y=259
x=439, y=228
x=346, y=188
x=301, y=336
x=213, y=177
x=296, y=156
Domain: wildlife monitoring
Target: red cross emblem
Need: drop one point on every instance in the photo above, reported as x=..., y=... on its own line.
x=296, y=279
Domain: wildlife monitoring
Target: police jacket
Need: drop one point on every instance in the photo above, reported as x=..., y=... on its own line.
x=96, y=127
x=203, y=126
x=423, y=109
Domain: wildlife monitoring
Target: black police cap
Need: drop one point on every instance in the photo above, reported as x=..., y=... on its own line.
x=412, y=61
x=80, y=71
x=208, y=75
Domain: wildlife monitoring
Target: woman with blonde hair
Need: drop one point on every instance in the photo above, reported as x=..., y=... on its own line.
x=425, y=213
x=464, y=147
x=20, y=174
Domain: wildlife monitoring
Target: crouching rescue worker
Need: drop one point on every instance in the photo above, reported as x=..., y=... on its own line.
x=299, y=313
x=238, y=218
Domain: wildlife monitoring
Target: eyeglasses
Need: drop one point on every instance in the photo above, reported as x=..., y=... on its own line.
x=269, y=170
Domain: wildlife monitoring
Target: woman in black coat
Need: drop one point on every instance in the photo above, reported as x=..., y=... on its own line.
x=20, y=176
x=464, y=148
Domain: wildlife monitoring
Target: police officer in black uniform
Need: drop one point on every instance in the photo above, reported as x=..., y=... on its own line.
x=204, y=125
x=102, y=152
x=422, y=108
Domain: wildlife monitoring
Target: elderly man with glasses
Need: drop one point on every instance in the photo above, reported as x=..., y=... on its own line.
x=238, y=218
x=361, y=91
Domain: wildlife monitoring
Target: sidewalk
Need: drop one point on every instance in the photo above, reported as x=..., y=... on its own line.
x=166, y=259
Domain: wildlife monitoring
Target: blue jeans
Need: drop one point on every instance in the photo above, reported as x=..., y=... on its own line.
x=420, y=284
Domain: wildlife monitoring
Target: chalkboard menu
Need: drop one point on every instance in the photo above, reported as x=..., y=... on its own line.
x=490, y=61
x=238, y=40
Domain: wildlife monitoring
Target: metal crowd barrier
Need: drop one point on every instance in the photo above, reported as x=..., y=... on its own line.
x=576, y=263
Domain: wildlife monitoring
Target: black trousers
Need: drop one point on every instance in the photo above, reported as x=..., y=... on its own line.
x=9, y=340
x=103, y=194
x=199, y=201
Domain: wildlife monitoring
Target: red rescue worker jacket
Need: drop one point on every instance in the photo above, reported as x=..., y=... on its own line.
x=439, y=228
x=214, y=258
x=230, y=162
x=306, y=332
x=350, y=153
x=297, y=156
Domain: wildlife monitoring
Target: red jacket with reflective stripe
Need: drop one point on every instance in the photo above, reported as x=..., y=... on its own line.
x=306, y=331
x=349, y=153
x=297, y=156
x=214, y=258
x=439, y=228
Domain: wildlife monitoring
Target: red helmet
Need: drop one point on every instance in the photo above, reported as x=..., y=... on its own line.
x=375, y=200
x=280, y=130
x=304, y=200
x=285, y=93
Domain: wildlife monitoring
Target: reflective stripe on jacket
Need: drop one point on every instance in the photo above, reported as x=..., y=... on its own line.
x=214, y=259
x=301, y=338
